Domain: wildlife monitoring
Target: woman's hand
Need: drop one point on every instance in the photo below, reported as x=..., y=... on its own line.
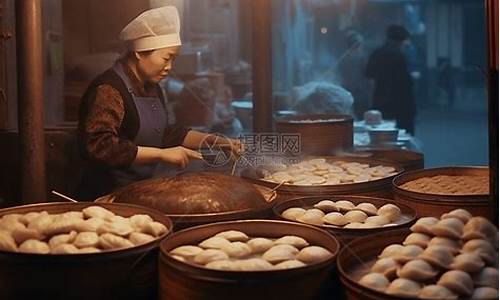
x=179, y=156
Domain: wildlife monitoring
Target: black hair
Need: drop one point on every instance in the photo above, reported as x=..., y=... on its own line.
x=397, y=33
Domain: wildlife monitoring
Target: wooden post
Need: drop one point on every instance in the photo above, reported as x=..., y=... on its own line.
x=262, y=66
x=492, y=34
x=30, y=102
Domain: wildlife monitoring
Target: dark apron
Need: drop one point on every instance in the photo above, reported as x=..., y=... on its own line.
x=152, y=123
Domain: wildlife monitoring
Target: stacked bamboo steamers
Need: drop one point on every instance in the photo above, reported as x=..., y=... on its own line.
x=322, y=227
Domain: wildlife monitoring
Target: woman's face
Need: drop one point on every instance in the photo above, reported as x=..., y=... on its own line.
x=155, y=65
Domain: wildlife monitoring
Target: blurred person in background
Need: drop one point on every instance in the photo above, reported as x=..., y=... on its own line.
x=351, y=73
x=446, y=79
x=124, y=131
x=388, y=67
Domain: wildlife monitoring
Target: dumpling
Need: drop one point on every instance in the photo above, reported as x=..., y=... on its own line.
x=282, y=176
x=12, y=218
x=139, y=238
x=369, y=225
x=377, y=221
x=89, y=250
x=391, y=251
x=237, y=250
x=86, y=239
x=458, y=282
x=27, y=218
x=233, y=236
x=481, y=247
x=467, y=262
x=374, y=281
x=347, y=178
x=34, y=246
x=386, y=266
x=480, y=228
x=485, y=293
x=41, y=223
x=289, y=264
x=110, y=241
x=312, y=216
x=424, y=225
x=486, y=277
x=390, y=211
x=390, y=225
x=186, y=251
x=156, y=229
x=344, y=205
x=404, y=287
x=408, y=253
x=140, y=221
x=437, y=292
x=354, y=225
x=260, y=245
x=119, y=228
x=222, y=265
x=355, y=216
x=335, y=218
x=293, y=213
x=461, y=214
x=418, y=270
x=7, y=242
x=118, y=219
x=452, y=244
x=451, y=227
x=354, y=170
x=215, y=242
x=313, y=254
x=210, y=255
x=98, y=212
x=66, y=238
x=253, y=264
x=362, y=178
x=326, y=206
x=332, y=179
x=21, y=234
x=89, y=225
x=437, y=256
x=61, y=225
x=418, y=239
x=280, y=253
x=179, y=258
x=293, y=240
x=64, y=249
x=72, y=215
x=367, y=208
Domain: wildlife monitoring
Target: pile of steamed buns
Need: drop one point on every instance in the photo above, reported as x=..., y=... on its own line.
x=453, y=257
x=235, y=251
x=91, y=230
x=344, y=213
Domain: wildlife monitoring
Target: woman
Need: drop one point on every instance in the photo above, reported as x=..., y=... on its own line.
x=124, y=132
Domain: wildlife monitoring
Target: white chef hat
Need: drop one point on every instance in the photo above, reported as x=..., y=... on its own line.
x=153, y=29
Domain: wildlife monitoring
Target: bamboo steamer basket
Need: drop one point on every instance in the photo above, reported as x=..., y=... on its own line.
x=129, y=273
x=355, y=260
x=179, y=280
x=184, y=200
x=435, y=205
x=321, y=137
x=407, y=159
x=346, y=235
x=381, y=188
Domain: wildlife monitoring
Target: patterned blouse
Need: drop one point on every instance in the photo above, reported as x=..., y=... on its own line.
x=103, y=138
